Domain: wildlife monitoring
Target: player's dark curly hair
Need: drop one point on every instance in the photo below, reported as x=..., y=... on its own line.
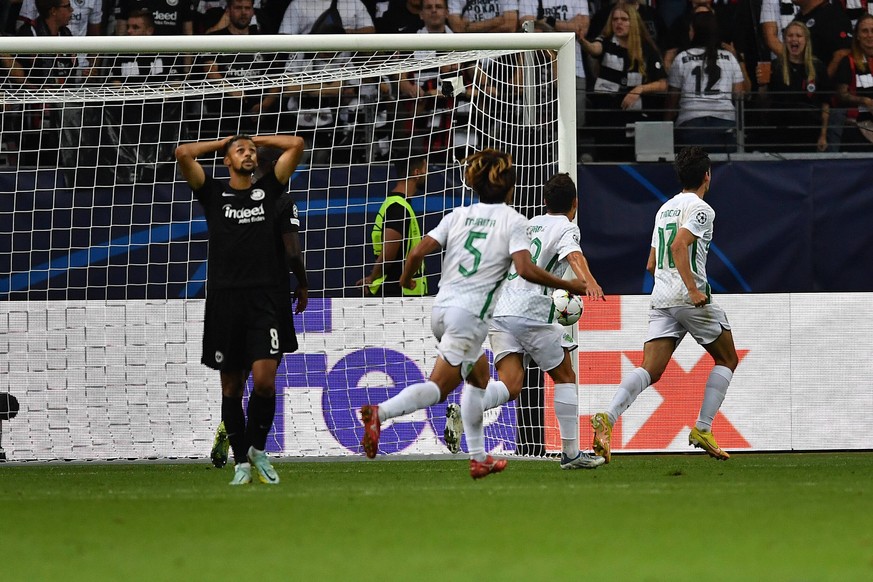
x=559, y=193
x=491, y=175
x=692, y=164
x=233, y=140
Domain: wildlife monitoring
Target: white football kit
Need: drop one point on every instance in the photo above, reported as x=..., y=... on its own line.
x=524, y=319
x=672, y=312
x=479, y=241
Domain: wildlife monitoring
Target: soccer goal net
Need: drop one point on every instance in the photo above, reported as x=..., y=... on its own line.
x=103, y=249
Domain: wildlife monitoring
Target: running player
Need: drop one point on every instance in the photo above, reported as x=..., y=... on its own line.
x=481, y=241
x=524, y=324
x=681, y=303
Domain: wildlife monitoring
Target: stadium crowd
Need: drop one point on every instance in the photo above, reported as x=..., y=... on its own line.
x=732, y=75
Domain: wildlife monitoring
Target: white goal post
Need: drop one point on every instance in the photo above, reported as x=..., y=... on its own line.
x=102, y=249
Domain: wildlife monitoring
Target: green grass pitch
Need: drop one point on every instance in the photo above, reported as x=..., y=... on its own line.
x=671, y=517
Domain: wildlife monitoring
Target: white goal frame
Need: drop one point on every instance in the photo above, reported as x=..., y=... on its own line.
x=99, y=321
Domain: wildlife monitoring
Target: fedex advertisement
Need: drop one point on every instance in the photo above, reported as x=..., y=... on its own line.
x=123, y=379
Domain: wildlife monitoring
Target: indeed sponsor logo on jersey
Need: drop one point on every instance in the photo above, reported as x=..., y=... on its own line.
x=162, y=17
x=244, y=215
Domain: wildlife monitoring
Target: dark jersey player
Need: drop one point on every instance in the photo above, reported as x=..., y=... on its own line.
x=247, y=305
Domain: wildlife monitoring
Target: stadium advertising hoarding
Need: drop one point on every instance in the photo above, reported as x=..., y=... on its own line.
x=137, y=390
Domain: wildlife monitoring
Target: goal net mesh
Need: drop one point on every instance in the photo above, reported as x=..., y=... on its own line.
x=103, y=248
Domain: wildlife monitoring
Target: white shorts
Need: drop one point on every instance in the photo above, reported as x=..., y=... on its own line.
x=460, y=335
x=704, y=324
x=542, y=342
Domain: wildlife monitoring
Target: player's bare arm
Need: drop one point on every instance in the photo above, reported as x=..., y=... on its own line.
x=294, y=260
x=187, y=154
x=528, y=270
x=579, y=264
x=292, y=152
x=679, y=248
x=391, y=245
x=415, y=258
x=650, y=264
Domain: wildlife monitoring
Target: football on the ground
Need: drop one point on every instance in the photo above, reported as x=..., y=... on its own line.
x=568, y=307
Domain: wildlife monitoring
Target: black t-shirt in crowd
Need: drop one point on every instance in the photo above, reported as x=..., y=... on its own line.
x=244, y=249
x=829, y=29
x=168, y=15
x=46, y=68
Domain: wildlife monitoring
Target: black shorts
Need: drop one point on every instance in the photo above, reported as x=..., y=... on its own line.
x=242, y=326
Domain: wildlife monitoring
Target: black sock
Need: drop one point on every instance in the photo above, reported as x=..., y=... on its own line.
x=235, y=424
x=261, y=413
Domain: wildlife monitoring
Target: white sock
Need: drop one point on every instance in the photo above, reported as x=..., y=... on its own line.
x=631, y=386
x=716, y=388
x=413, y=397
x=472, y=409
x=496, y=393
x=567, y=413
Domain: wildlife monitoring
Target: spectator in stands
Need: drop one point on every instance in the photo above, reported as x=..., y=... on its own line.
x=209, y=15
x=35, y=127
x=401, y=16
x=147, y=131
x=433, y=101
x=86, y=20
x=396, y=232
x=629, y=66
x=831, y=35
x=654, y=23
x=80, y=134
x=269, y=15
x=703, y=83
x=678, y=39
x=250, y=112
x=54, y=18
x=854, y=84
x=483, y=15
x=797, y=96
x=310, y=110
x=300, y=17
x=563, y=16
x=169, y=16
x=775, y=16
x=855, y=9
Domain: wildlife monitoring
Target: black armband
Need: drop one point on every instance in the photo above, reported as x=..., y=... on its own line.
x=550, y=20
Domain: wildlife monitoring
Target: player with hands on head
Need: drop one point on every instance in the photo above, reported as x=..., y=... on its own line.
x=481, y=242
x=247, y=304
x=681, y=303
x=524, y=325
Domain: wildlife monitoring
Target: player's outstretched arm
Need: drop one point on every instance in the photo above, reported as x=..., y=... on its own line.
x=579, y=264
x=529, y=271
x=292, y=152
x=187, y=154
x=416, y=256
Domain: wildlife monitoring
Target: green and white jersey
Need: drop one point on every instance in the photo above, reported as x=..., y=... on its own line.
x=552, y=239
x=685, y=210
x=479, y=242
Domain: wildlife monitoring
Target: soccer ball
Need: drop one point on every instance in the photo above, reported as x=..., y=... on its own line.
x=568, y=307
